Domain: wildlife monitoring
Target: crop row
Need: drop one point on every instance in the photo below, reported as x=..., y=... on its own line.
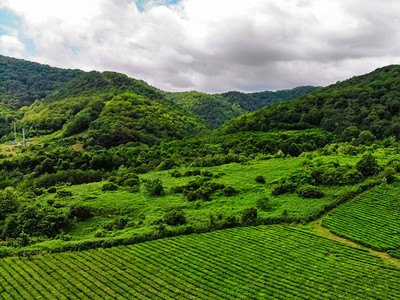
x=248, y=262
x=372, y=220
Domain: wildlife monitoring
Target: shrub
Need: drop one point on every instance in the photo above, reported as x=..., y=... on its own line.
x=81, y=211
x=64, y=193
x=283, y=188
x=309, y=191
x=229, y=191
x=260, y=179
x=175, y=217
x=109, y=186
x=368, y=165
x=249, y=216
x=154, y=187
x=390, y=175
x=263, y=204
x=52, y=190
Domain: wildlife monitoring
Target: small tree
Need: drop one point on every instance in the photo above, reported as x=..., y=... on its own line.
x=154, y=187
x=249, y=216
x=368, y=165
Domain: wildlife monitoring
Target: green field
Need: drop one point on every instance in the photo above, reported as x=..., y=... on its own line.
x=372, y=219
x=254, y=262
x=143, y=213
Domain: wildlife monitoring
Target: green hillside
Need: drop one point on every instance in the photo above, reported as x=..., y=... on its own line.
x=112, y=109
x=22, y=82
x=348, y=109
x=216, y=109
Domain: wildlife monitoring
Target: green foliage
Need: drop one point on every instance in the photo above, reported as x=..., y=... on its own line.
x=260, y=179
x=9, y=202
x=368, y=165
x=81, y=211
x=23, y=82
x=263, y=204
x=154, y=187
x=175, y=217
x=309, y=191
x=368, y=102
x=109, y=186
x=249, y=216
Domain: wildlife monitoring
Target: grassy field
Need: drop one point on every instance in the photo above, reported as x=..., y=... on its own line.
x=142, y=212
x=276, y=262
x=372, y=219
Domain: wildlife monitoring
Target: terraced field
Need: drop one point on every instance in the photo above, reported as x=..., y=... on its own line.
x=372, y=220
x=262, y=262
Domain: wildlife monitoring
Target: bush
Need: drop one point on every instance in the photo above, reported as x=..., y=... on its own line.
x=52, y=190
x=309, y=191
x=81, y=211
x=175, y=217
x=263, y=204
x=283, y=188
x=109, y=186
x=260, y=179
x=368, y=165
x=154, y=187
x=389, y=174
x=249, y=216
x=64, y=193
x=229, y=191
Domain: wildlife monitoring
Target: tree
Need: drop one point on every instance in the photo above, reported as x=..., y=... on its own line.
x=9, y=202
x=368, y=165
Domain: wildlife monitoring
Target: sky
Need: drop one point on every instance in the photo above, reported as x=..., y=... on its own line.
x=207, y=45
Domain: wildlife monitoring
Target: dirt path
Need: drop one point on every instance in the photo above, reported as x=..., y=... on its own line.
x=325, y=232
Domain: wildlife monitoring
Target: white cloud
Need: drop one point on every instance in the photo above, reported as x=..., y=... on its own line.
x=11, y=46
x=216, y=45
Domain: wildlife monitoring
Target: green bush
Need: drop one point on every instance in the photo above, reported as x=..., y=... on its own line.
x=229, y=191
x=81, y=211
x=264, y=204
x=309, y=191
x=249, y=216
x=175, y=217
x=260, y=179
x=154, y=187
x=109, y=186
x=368, y=165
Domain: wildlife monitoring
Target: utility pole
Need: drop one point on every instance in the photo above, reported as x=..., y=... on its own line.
x=23, y=137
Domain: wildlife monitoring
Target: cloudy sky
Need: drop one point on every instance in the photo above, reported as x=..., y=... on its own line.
x=207, y=45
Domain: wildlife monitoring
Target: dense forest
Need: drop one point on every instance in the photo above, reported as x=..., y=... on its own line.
x=364, y=106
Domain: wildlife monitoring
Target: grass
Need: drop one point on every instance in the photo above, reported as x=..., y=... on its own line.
x=267, y=262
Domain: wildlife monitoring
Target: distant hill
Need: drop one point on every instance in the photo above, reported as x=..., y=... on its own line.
x=370, y=102
x=216, y=109
x=112, y=109
x=254, y=101
x=22, y=82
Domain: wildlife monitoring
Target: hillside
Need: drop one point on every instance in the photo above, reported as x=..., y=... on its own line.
x=216, y=109
x=112, y=109
x=22, y=82
x=366, y=105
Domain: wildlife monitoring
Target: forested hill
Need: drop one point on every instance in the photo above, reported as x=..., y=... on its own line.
x=254, y=101
x=22, y=82
x=108, y=109
x=216, y=109
x=367, y=104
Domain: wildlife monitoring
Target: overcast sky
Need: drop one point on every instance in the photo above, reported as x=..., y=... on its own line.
x=207, y=45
